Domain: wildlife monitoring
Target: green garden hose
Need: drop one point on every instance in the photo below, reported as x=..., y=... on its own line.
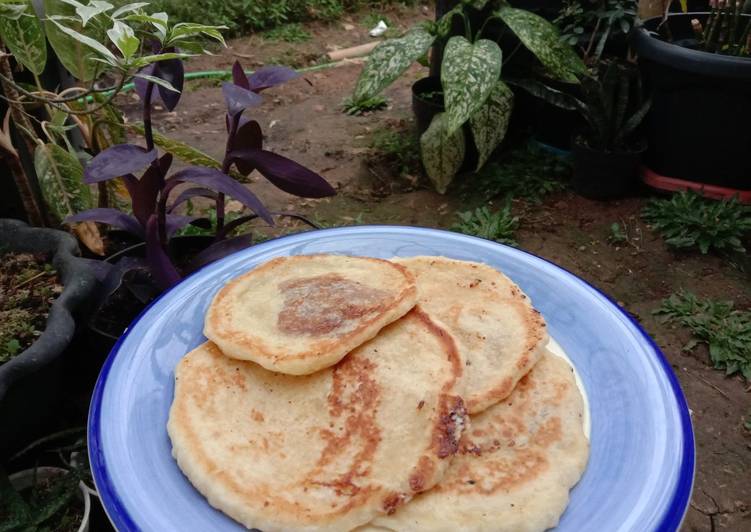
x=217, y=74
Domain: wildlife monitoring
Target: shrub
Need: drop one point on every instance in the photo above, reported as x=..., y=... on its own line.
x=725, y=331
x=499, y=226
x=243, y=16
x=687, y=220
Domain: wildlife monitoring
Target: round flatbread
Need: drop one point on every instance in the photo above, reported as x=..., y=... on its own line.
x=300, y=314
x=328, y=451
x=499, y=334
x=516, y=463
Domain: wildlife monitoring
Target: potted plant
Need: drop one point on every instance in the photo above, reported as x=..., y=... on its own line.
x=31, y=380
x=595, y=29
x=45, y=498
x=101, y=48
x=607, y=153
x=53, y=488
x=698, y=69
x=157, y=196
x=477, y=101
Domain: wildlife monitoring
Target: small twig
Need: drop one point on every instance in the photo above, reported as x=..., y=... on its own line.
x=705, y=381
x=30, y=279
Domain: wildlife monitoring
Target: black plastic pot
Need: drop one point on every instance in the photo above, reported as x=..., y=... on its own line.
x=604, y=175
x=425, y=108
x=31, y=383
x=697, y=129
x=95, y=343
x=552, y=125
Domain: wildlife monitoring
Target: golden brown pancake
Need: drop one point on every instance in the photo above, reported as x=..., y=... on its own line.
x=299, y=314
x=499, y=334
x=327, y=451
x=516, y=463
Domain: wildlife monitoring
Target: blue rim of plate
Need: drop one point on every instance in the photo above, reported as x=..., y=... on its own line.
x=122, y=521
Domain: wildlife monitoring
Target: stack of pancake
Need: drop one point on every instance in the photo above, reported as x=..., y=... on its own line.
x=350, y=393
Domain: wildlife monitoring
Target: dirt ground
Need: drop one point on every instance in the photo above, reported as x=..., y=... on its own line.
x=303, y=120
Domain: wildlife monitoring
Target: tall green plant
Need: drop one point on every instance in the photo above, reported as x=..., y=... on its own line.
x=93, y=41
x=474, y=87
x=613, y=104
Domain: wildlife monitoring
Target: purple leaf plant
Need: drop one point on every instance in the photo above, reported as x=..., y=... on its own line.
x=153, y=218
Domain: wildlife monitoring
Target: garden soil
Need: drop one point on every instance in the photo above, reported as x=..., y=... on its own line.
x=303, y=120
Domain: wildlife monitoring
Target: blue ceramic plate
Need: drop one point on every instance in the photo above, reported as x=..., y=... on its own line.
x=641, y=466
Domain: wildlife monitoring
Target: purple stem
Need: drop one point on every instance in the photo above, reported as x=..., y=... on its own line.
x=225, y=170
x=148, y=133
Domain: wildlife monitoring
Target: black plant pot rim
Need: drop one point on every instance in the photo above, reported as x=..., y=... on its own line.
x=648, y=45
x=420, y=94
x=579, y=141
x=78, y=283
x=136, y=249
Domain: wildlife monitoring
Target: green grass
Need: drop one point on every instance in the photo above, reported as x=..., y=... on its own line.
x=524, y=174
x=245, y=16
x=368, y=105
x=500, y=225
x=688, y=221
x=291, y=33
x=725, y=331
x=400, y=148
x=617, y=234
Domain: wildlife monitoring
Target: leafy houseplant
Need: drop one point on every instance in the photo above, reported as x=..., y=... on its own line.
x=51, y=491
x=98, y=44
x=607, y=153
x=698, y=62
x=154, y=197
x=590, y=25
x=44, y=498
x=476, y=97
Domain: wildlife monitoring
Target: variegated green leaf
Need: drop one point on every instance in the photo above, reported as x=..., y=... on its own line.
x=75, y=56
x=542, y=39
x=24, y=37
x=124, y=38
x=95, y=8
x=84, y=39
x=12, y=11
x=490, y=122
x=389, y=60
x=442, y=152
x=60, y=177
x=468, y=74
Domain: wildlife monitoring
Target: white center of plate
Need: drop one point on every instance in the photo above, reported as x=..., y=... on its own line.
x=555, y=348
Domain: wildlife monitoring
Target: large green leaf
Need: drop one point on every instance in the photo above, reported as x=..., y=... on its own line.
x=389, y=60
x=24, y=37
x=543, y=40
x=468, y=73
x=442, y=152
x=61, y=180
x=75, y=56
x=490, y=122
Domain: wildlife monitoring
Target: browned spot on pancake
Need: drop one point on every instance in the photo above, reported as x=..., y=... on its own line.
x=319, y=305
x=424, y=470
x=257, y=416
x=353, y=403
x=502, y=473
x=548, y=433
x=391, y=502
x=451, y=422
